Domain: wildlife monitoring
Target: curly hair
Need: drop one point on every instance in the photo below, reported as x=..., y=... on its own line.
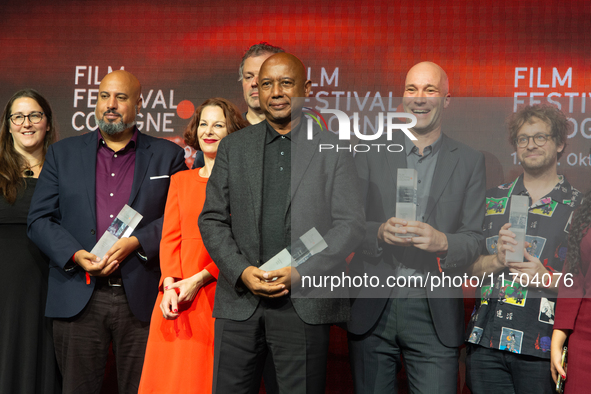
x=234, y=120
x=549, y=114
x=12, y=162
x=578, y=229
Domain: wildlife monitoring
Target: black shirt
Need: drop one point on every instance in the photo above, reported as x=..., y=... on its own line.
x=275, y=217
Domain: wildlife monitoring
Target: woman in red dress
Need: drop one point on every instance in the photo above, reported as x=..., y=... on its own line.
x=179, y=353
x=573, y=308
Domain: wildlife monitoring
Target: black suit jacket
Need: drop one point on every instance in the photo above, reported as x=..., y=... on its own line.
x=324, y=195
x=62, y=219
x=455, y=207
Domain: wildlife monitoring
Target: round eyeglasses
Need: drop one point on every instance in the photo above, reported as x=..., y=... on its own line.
x=19, y=119
x=540, y=139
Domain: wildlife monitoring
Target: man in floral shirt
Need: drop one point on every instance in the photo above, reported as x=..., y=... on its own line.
x=510, y=330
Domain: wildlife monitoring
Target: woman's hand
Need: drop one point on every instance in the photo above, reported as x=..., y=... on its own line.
x=169, y=304
x=190, y=286
x=557, y=343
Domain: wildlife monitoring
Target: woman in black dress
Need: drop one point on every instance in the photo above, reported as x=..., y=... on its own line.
x=27, y=357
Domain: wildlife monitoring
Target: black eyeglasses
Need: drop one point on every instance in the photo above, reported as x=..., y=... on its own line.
x=540, y=139
x=19, y=119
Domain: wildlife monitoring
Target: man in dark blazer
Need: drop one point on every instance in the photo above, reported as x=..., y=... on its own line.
x=248, y=72
x=255, y=207
x=424, y=327
x=86, y=180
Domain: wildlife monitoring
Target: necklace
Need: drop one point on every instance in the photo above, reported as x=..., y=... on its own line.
x=28, y=172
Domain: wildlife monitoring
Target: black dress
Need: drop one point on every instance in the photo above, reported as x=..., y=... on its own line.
x=27, y=357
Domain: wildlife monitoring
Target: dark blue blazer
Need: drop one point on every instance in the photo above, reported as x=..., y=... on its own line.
x=62, y=219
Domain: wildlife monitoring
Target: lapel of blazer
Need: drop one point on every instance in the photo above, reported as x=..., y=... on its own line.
x=301, y=156
x=446, y=163
x=254, y=151
x=142, y=161
x=88, y=162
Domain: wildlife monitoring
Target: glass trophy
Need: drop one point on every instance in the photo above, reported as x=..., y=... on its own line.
x=406, y=196
x=518, y=220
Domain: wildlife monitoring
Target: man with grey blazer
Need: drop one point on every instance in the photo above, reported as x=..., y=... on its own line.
x=423, y=326
x=270, y=185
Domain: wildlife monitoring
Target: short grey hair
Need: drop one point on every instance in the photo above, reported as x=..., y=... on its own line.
x=257, y=50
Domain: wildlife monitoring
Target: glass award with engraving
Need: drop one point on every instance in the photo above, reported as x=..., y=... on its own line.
x=122, y=227
x=518, y=220
x=298, y=252
x=406, y=196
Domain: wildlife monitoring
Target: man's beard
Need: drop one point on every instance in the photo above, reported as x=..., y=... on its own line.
x=540, y=167
x=113, y=128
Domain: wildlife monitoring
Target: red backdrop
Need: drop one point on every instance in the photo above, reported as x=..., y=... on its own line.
x=186, y=51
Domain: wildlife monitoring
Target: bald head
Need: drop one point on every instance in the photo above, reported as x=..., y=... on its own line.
x=118, y=102
x=282, y=77
x=287, y=60
x=426, y=95
x=124, y=78
x=429, y=71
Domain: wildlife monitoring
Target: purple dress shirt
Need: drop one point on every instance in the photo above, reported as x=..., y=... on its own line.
x=114, y=178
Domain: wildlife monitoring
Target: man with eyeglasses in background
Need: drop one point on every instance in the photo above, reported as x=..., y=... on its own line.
x=509, y=332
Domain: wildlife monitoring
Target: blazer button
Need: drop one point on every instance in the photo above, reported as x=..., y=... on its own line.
x=92, y=232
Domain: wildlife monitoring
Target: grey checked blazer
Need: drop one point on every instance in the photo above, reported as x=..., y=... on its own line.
x=324, y=194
